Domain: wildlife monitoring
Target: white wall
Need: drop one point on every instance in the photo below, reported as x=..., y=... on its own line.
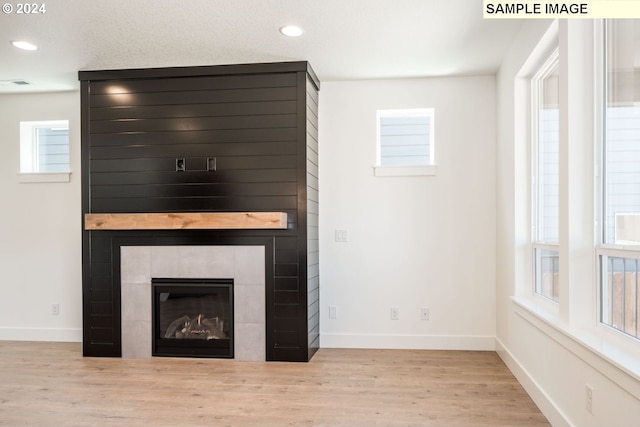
x=405, y=234
x=553, y=359
x=40, y=230
x=413, y=241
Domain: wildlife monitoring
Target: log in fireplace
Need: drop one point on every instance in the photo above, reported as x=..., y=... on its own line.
x=192, y=317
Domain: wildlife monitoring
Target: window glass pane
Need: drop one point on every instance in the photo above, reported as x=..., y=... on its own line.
x=44, y=146
x=620, y=299
x=548, y=161
x=547, y=273
x=546, y=170
x=622, y=134
x=52, y=144
x=405, y=137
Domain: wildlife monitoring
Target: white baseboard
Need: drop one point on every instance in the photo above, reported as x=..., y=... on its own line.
x=41, y=334
x=408, y=342
x=537, y=394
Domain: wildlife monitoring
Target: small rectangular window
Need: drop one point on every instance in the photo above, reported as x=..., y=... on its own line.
x=44, y=147
x=406, y=140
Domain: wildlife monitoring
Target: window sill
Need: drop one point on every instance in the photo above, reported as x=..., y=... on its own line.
x=539, y=306
x=44, y=177
x=429, y=170
x=592, y=345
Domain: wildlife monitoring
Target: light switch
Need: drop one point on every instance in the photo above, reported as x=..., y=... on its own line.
x=333, y=312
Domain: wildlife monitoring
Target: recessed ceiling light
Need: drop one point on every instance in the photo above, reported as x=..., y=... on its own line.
x=291, y=31
x=20, y=44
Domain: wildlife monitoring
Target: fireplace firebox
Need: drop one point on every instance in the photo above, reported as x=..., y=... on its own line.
x=192, y=317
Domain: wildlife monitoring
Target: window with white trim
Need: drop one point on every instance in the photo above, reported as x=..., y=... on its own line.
x=44, y=147
x=545, y=137
x=619, y=251
x=405, y=142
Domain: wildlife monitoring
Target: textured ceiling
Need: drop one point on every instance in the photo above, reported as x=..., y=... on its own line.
x=343, y=39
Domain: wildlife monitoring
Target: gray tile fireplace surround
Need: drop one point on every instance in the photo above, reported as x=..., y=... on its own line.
x=244, y=264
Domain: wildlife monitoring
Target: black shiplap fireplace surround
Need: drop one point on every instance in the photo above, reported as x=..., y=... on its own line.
x=232, y=138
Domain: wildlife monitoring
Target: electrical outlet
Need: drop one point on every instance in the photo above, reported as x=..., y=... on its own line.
x=589, y=398
x=55, y=309
x=395, y=313
x=333, y=312
x=424, y=313
x=342, y=236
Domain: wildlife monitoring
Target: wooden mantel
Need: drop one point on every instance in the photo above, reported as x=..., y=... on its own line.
x=186, y=221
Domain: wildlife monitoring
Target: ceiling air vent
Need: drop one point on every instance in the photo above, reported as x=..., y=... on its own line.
x=14, y=83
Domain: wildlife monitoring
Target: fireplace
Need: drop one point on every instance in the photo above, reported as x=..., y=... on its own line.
x=186, y=160
x=192, y=317
x=242, y=265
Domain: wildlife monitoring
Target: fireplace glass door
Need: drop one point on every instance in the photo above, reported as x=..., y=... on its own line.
x=192, y=317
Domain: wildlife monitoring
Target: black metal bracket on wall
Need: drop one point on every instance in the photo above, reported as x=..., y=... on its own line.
x=196, y=164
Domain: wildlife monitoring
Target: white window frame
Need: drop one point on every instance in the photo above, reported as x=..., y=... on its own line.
x=538, y=245
x=29, y=159
x=573, y=322
x=406, y=170
x=606, y=250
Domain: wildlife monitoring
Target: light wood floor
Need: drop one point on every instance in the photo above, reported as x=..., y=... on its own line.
x=51, y=384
